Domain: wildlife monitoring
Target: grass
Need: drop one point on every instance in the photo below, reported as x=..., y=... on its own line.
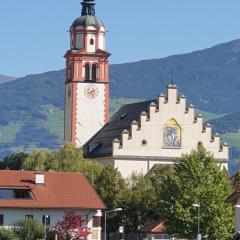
x=207, y=116
x=233, y=139
x=55, y=121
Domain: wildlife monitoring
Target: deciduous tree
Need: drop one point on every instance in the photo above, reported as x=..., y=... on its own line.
x=197, y=179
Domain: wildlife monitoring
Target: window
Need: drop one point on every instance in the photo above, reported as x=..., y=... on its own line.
x=96, y=222
x=29, y=217
x=144, y=143
x=21, y=194
x=91, y=41
x=1, y=219
x=94, y=72
x=47, y=218
x=87, y=71
x=15, y=194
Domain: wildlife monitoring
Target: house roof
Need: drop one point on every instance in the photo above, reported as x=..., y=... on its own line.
x=156, y=227
x=100, y=145
x=60, y=190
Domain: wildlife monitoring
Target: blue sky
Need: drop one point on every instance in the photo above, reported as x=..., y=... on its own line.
x=34, y=37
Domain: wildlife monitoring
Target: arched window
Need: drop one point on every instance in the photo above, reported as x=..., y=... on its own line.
x=172, y=134
x=91, y=41
x=94, y=72
x=87, y=71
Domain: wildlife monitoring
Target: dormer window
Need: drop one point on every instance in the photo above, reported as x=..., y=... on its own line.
x=91, y=41
x=15, y=194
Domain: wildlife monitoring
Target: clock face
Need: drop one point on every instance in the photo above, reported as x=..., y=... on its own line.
x=91, y=91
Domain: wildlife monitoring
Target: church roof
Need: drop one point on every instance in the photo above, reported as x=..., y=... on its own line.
x=88, y=17
x=100, y=145
x=88, y=20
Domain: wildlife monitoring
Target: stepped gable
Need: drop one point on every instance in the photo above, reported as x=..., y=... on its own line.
x=101, y=144
x=123, y=135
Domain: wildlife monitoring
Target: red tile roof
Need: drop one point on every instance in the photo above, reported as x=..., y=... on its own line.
x=154, y=228
x=61, y=190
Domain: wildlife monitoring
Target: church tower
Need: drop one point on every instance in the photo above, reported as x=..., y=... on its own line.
x=87, y=81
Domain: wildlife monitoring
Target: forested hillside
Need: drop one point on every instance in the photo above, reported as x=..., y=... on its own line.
x=31, y=107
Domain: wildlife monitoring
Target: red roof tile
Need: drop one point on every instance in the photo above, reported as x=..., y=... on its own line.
x=154, y=227
x=61, y=190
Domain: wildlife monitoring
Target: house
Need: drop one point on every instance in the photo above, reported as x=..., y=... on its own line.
x=153, y=231
x=45, y=197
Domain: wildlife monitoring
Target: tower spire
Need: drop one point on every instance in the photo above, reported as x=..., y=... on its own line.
x=88, y=7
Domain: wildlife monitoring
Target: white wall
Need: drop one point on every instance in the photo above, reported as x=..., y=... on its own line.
x=151, y=128
x=91, y=48
x=12, y=215
x=90, y=112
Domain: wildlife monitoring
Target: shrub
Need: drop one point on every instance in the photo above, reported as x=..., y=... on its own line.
x=29, y=230
x=7, y=235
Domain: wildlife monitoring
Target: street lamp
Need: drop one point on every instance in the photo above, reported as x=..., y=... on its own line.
x=196, y=205
x=45, y=226
x=105, y=220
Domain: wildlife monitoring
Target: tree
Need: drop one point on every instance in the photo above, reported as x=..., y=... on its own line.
x=28, y=230
x=141, y=203
x=67, y=159
x=198, y=179
x=14, y=161
x=112, y=188
x=71, y=227
x=7, y=235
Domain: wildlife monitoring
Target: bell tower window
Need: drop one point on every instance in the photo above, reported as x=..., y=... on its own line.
x=91, y=41
x=94, y=72
x=87, y=71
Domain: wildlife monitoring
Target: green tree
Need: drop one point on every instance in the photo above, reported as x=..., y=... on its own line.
x=197, y=179
x=7, y=235
x=29, y=230
x=67, y=159
x=140, y=202
x=111, y=186
x=14, y=161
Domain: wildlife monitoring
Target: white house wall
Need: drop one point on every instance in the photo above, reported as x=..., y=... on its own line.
x=13, y=215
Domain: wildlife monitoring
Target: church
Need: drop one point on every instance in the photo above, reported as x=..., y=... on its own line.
x=139, y=135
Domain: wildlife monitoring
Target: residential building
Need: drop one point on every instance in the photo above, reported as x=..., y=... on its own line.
x=46, y=196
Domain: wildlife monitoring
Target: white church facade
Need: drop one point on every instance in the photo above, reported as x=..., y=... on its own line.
x=139, y=135
x=143, y=134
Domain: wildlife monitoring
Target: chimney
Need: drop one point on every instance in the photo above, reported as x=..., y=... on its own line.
x=39, y=178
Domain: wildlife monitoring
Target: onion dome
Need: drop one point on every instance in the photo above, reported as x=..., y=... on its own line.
x=88, y=17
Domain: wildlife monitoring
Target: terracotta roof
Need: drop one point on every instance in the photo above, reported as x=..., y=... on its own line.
x=154, y=228
x=61, y=190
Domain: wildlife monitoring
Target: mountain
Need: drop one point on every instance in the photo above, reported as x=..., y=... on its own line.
x=209, y=78
x=4, y=79
x=31, y=106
